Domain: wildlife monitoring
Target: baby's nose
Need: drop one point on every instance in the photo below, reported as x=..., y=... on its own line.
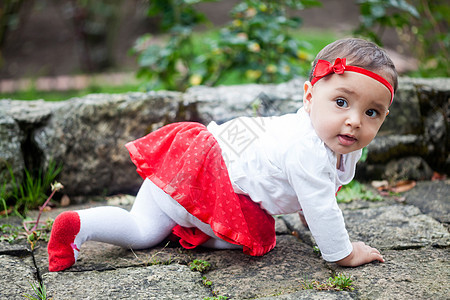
x=353, y=119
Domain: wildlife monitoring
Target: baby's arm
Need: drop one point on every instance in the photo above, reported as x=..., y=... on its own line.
x=361, y=254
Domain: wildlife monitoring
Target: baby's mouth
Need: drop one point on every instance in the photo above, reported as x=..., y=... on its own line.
x=346, y=140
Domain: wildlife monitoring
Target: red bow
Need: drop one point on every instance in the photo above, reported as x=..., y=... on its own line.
x=324, y=68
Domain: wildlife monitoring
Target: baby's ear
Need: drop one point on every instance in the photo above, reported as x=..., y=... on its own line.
x=307, y=95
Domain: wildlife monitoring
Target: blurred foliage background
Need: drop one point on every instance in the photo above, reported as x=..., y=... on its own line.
x=179, y=45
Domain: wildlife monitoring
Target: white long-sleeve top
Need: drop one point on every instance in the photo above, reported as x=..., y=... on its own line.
x=282, y=165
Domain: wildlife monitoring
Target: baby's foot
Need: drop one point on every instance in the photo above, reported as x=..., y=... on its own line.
x=62, y=251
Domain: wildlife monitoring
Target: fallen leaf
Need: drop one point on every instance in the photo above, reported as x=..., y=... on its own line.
x=403, y=186
x=438, y=176
x=6, y=212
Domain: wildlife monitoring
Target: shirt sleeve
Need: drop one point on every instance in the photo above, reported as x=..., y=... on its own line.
x=312, y=177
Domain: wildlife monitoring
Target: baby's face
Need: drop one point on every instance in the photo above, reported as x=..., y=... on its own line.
x=347, y=110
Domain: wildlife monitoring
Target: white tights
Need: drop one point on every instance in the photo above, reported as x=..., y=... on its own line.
x=144, y=226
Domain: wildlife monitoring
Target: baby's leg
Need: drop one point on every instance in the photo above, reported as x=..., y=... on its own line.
x=143, y=227
x=146, y=225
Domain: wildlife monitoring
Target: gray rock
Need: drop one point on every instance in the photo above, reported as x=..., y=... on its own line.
x=385, y=227
x=432, y=198
x=395, y=227
x=11, y=157
x=282, y=270
x=280, y=226
x=226, y=102
x=386, y=147
x=414, y=245
x=88, y=135
x=295, y=225
x=312, y=295
x=434, y=100
x=95, y=256
x=407, y=274
x=153, y=282
x=404, y=114
x=413, y=168
x=16, y=275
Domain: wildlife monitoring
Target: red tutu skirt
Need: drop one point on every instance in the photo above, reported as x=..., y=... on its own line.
x=185, y=161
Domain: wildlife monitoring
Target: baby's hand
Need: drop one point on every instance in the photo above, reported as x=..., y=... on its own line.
x=361, y=254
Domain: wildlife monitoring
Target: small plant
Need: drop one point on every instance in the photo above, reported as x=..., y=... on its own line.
x=314, y=285
x=206, y=281
x=199, y=265
x=35, y=233
x=341, y=282
x=40, y=292
x=9, y=233
x=316, y=250
x=153, y=260
x=39, y=230
x=216, y=298
x=31, y=192
x=356, y=191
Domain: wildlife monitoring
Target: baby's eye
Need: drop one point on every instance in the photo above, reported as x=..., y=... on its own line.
x=371, y=113
x=341, y=102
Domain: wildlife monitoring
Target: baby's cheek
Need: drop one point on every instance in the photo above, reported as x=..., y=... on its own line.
x=370, y=134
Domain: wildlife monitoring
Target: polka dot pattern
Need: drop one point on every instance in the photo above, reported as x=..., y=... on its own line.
x=185, y=161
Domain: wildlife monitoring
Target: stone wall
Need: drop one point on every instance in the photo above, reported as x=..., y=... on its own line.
x=88, y=134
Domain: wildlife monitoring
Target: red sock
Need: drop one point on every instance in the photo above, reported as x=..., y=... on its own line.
x=60, y=247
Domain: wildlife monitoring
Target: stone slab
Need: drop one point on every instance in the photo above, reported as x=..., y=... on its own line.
x=432, y=198
x=16, y=275
x=395, y=227
x=414, y=244
x=233, y=273
x=153, y=282
x=408, y=274
x=385, y=227
x=312, y=295
x=281, y=271
x=96, y=256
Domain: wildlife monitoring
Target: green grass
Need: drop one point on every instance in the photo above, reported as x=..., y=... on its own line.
x=33, y=94
x=30, y=192
x=40, y=292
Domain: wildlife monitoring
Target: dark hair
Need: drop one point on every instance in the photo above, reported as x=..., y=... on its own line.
x=360, y=53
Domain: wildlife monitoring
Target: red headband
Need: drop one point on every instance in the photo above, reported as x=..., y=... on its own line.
x=324, y=68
